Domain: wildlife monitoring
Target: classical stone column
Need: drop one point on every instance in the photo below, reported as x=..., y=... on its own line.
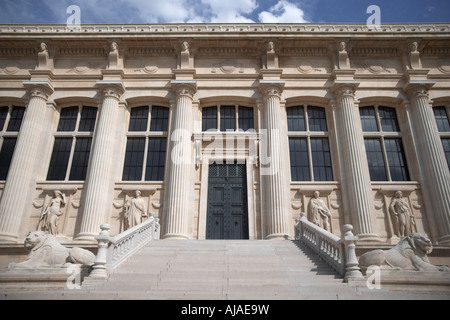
x=276, y=185
x=355, y=172
x=22, y=177
x=432, y=161
x=178, y=206
x=100, y=179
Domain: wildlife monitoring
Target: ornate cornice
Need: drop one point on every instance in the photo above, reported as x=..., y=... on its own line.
x=213, y=28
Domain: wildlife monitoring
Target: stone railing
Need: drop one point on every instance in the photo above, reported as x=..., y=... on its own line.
x=112, y=251
x=339, y=253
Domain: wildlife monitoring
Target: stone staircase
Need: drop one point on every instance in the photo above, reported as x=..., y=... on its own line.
x=219, y=270
x=223, y=269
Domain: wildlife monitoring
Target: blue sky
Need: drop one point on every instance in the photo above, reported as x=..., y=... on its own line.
x=220, y=11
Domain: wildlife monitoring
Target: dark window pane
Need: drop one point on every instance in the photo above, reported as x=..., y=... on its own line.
x=87, y=121
x=68, y=119
x=446, y=145
x=159, y=119
x=227, y=118
x=6, y=153
x=441, y=119
x=16, y=119
x=388, y=119
x=396, y=159
x=317, y=119
x=138, y=119
x=298, y=151
x=321, y=158
x=80, y=159
x=156, y=159
x=296, y=119
x=3, y=115
x=368, y=119
x=375, y=159
x=209, y=118
x=60, y=159
x=246, y=119
x=134, y=159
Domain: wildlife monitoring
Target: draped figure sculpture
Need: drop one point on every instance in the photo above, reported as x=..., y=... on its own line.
x=134, y=211
x=52, y=212
x=319, y=212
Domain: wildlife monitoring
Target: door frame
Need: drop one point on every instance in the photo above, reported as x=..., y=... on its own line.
x=204, y=185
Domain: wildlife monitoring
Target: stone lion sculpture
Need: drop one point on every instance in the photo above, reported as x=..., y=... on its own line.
x=46, y=251
x=409, y=254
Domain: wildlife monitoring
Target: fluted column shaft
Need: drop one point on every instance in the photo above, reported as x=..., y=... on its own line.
x=432, y=161
x=21, y=175
x=177, y=207
x=99, y=181
x=355, y=173
x=276, y=184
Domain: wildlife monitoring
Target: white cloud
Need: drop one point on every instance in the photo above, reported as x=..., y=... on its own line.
x=283, y=12
x=152, y=11
x=230, y=10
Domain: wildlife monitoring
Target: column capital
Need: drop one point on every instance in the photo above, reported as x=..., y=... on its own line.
x=271, y=88
x=186, y=88
x=415, y=89
x=111, y=88
x=39, y=89
x=345, y=88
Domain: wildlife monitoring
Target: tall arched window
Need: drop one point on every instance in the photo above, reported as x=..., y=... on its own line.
x=309, y=146
x=442, y=115
x=145, y=155
x=10, y=122
x=383, y=142
x=72, y=146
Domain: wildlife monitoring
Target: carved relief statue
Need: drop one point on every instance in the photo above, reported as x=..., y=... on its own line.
x=43, y=48
x=403, y=216
x=270, y=47
x=51, y=213
x=319, y=212
x=134, y=211
x=185, y=47
x=46, y=251
x=409, y=254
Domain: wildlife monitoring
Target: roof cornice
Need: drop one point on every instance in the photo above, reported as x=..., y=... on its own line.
x=222, y=29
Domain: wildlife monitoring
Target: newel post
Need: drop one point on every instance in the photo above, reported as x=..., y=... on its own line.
x=103, y=239
x=352, y=270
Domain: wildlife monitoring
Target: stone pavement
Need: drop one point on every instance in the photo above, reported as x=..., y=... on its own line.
x=223, y=270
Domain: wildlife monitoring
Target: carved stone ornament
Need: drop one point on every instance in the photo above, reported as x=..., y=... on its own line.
x=39, y=89
x=409, y=254
x=184, y=88
x=51, y=213
x=402, y=217
x=319, y=213
x=113, y=89
x=46, y=251
x=271, y=88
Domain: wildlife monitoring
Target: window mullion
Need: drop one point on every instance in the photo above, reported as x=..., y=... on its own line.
x=144, y=165
x=69, y=165
x=310, y=159
x=218, y=118
x=385, y=158
x=236, y=117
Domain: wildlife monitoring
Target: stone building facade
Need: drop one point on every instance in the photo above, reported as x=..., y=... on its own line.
x=228, y=131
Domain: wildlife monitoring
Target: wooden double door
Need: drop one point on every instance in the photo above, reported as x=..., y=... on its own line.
x=227, y=210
